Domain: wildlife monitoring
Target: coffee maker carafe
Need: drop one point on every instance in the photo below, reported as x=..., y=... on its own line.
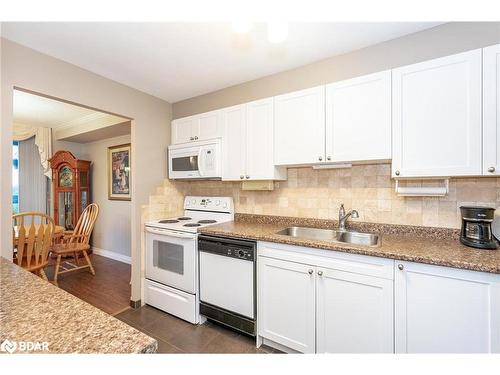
x=476, y=227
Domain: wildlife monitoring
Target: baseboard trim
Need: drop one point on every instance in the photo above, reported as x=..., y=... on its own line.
x=112, y=255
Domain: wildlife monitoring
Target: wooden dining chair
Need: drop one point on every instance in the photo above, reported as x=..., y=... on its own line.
x=76, y=242
x=32, y=235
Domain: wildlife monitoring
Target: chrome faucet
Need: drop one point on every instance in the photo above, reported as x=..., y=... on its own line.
x=344, y=216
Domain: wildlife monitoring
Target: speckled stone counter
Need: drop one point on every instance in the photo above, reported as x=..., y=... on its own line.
x=438, y=246
x=34, y=310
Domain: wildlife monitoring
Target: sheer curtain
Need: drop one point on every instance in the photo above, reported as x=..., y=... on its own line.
x=32, y=181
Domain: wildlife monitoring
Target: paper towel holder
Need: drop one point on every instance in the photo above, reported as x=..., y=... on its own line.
x=423, y=191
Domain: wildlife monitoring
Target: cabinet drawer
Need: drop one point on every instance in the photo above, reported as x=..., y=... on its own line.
x=334, y=260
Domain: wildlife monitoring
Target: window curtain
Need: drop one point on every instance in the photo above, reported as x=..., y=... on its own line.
x=43, y=142
x=32, y=180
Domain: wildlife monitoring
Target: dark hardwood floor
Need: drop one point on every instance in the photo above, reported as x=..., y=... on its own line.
x=108, y=290
x=174, y=335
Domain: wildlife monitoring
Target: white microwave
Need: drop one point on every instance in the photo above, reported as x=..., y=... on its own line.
x=192, y=160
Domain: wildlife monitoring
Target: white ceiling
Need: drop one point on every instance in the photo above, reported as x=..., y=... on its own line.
x=68, y=121
x=176, y=61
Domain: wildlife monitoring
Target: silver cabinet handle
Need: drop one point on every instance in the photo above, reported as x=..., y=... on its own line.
x=242, y=177
x=196, y=137
x=247, y=177
x=310, y=272
x=320, y=273
x=329, y=158
x=191, y=138
x=401, y=267
x=396, y=173
x=320, y=158
x=491, y=169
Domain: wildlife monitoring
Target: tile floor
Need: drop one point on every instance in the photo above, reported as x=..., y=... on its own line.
x=177, y=336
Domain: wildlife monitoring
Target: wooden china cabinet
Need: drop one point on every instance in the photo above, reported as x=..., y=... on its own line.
x=71, y=187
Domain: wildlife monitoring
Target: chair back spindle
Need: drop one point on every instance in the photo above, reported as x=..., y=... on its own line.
x=33, y=240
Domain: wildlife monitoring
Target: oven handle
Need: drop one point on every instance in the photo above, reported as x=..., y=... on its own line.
x=170, y=233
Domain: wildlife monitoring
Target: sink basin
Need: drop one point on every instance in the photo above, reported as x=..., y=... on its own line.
x=356, y=238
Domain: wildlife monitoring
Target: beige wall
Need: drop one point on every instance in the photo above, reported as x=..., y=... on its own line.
x=112, y=229
x=28, y=69
x=319, y=193
x=435, y=42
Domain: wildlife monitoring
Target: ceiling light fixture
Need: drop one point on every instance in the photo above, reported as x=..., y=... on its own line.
x=277, y=32
x=242, y=27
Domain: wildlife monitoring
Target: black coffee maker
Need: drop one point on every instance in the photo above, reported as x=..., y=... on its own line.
x=476, y=227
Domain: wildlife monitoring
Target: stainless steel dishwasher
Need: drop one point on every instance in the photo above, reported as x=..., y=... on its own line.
x=228, y=282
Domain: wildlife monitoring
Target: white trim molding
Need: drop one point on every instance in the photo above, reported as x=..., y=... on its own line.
x=112, y=255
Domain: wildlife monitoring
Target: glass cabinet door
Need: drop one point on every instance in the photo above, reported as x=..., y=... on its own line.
x=65, y=214
x=84, y=199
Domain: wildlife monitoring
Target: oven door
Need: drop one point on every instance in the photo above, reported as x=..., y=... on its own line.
x=171, y=258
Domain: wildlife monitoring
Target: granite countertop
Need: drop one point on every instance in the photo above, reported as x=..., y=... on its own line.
x=437, y=246
x=32, y=309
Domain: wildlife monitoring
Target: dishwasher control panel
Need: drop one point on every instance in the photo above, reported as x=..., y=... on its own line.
x=240, y=253
x=232, y=248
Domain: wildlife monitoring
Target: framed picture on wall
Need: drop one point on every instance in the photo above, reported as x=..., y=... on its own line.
x=119, y=172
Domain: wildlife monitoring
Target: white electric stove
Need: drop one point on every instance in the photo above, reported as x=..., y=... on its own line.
x=171, y=281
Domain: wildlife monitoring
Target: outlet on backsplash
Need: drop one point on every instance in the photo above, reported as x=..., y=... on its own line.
x=319, y=193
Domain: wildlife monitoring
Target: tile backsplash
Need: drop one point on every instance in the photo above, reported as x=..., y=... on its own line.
x=319, y=193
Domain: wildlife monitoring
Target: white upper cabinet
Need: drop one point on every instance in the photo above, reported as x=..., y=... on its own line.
x=259, y=134
x=358, y=118
x=299, y=127
x=445, y=310
x=234, y=146
x=183, y=130
x=197, y=128
x=491, y=110
x=248, y=142
x=436, y=117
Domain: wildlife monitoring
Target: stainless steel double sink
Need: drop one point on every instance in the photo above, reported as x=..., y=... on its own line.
x=346, y=236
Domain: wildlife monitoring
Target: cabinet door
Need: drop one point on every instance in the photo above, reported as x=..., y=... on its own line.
x=182, y=130
x=259, y=140
x=299, y=127
x=207, y=126
x=358, y=118
x=437, y=117
x=446, y=310
x=286, y=303
x=234, y=143
x=491, y=110
x=354, y=313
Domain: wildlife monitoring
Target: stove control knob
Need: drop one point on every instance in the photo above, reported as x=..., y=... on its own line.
x=217, y=202
x=241, y=254
x=193, y=201
x=224, y=205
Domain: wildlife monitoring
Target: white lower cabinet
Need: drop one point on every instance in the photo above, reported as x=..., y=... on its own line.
x=286, y=303
x=322, y=304
x=353, y=313
x=446, y=310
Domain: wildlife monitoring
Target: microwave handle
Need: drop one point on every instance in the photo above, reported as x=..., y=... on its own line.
x=201, y=162
x=169, y=233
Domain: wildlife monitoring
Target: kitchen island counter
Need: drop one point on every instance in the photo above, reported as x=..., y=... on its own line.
x=33, y=310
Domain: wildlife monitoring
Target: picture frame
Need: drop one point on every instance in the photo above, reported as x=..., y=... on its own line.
x=119, y=172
